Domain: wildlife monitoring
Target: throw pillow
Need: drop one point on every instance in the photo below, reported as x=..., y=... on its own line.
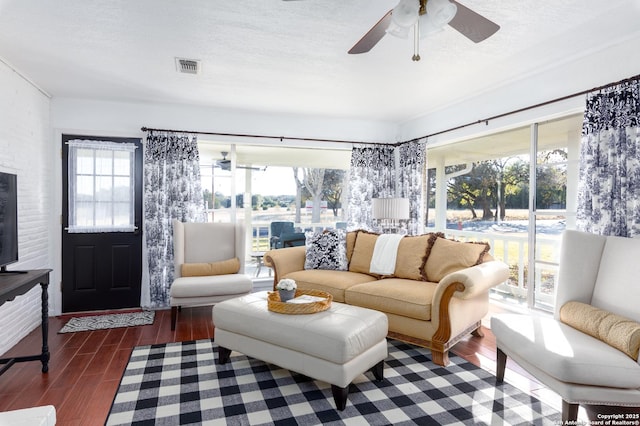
x=223, y=267
x=363, y=252
x=351, y=242
x=412, y=256
x=447, y=256
x=326, y=250
x=614, y=330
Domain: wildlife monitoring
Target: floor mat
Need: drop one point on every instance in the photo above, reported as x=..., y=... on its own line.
x=102, y=322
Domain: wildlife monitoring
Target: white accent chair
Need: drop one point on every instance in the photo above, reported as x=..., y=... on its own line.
x=603, y=272
x=204, y=243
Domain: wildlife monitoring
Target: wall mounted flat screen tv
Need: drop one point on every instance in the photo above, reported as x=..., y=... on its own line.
x=8, y=220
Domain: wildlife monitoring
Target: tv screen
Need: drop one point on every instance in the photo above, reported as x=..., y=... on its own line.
x=8, y=219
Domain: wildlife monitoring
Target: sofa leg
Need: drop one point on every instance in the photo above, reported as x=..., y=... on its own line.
x=569, y=412
x=340, y=396
x=174, y=316
x=501, y=363
x=440, y=357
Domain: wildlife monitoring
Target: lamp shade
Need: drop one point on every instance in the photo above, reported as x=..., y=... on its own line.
x=390, y=208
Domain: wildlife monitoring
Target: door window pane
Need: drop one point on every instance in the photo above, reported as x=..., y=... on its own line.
x=101, y=186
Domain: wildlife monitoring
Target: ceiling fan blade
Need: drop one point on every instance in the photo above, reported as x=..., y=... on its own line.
x=373, y=36
x=472, y=25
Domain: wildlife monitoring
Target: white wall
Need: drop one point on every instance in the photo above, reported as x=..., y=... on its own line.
x=575, y=74
x=91, y=115
x=26, y=151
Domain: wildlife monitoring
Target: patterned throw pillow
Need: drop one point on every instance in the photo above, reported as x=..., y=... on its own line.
x=326, y=250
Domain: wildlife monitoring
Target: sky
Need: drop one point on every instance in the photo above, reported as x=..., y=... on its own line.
x=272, y=181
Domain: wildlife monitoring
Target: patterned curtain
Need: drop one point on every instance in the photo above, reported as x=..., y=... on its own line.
x=172, y=190
x=411, y=180
x=387, y=171
x=371, y=176
x=609, y=185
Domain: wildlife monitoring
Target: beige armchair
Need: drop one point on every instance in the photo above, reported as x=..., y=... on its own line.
x=601, y=272
x=203, y=249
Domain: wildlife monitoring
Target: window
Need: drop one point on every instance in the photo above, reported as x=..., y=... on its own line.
x=267, y=184
x=482, y=191
x=101, y=186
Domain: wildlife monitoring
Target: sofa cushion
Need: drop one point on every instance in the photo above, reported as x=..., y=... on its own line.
x=333, y=282
x=213, y=285
x=408, y=298
x=615, y=330
x=223, y=267
x=447, y=256
x=564, y=352
x=363, y=252
x=326, y=250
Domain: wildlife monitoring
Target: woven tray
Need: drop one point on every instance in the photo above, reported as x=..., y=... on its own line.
x=275, y=305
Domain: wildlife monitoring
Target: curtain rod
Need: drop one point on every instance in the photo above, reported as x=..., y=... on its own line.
x=280, y=138
x=563, y=98
x=462, y=126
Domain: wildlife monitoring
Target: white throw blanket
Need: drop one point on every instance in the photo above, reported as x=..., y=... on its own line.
x=385, y=254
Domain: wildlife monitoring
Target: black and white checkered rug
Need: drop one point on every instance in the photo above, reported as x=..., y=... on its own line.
x=179, y=383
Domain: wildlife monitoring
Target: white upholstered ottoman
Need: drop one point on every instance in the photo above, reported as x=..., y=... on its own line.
x=333, y=346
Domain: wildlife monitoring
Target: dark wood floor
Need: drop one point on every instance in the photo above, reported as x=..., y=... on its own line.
x=86, y=367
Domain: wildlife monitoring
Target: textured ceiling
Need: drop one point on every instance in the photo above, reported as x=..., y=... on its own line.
x=290, y=56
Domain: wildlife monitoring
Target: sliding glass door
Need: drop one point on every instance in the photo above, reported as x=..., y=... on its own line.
x=480, y=189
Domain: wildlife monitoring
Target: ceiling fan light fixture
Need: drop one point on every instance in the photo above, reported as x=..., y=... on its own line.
x=397, y=31
x=428, y=26
x=403, y=17
x=441, y=11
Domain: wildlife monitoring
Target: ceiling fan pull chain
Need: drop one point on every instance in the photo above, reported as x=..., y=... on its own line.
x=416, y=42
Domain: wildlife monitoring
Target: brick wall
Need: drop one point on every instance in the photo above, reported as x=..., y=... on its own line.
x=26, y=149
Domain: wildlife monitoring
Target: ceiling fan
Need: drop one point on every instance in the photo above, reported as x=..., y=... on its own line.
x=426, y=17
x=225, y=164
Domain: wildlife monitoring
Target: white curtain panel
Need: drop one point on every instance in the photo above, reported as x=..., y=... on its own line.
x=609, y=184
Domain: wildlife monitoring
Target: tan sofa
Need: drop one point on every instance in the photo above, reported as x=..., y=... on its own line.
x=438, y=293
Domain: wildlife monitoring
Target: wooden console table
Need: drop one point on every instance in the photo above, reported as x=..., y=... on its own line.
x=14, y=284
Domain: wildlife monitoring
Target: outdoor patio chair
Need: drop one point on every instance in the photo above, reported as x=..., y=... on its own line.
x=292, y=239
x=277, y=229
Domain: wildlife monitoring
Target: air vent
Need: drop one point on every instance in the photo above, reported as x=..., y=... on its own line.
x=188, y=66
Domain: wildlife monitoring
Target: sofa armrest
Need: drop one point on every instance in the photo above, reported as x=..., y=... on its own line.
x=284, y=261
x=477, y=279
x=464, y=284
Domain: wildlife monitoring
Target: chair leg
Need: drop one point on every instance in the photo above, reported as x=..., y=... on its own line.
x=478, y=332
x=501, y=363
x=569, y=412
x=174, y=316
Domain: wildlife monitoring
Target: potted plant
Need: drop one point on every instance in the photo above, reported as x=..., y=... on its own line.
x=286, y=289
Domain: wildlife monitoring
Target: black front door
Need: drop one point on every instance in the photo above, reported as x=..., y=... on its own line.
x=101, y=257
